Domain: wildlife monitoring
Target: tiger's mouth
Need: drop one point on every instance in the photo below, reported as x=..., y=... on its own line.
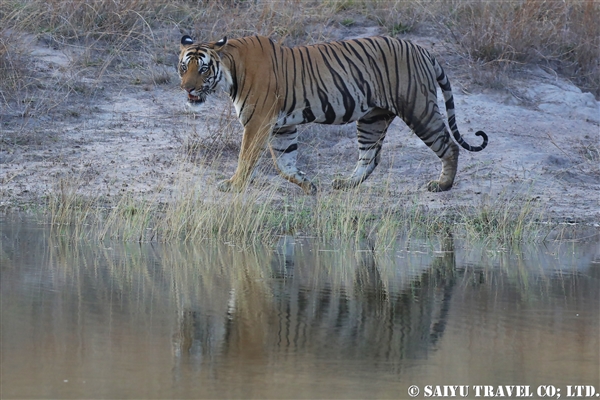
x=195, y=99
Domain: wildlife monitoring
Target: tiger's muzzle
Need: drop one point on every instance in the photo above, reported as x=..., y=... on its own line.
x=198, y=98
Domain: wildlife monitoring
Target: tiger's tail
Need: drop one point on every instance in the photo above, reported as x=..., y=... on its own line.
x=444, y=83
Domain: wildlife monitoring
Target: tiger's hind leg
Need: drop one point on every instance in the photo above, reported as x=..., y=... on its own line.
x=371, y=130
x=437, y=137
x=284, y=149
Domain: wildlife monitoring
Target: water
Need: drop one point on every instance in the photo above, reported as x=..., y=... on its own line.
x=295, y=320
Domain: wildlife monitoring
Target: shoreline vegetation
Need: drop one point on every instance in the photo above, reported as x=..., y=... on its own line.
x=260, y=215
x=492, y=37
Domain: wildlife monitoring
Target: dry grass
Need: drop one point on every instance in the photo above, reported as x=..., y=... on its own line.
x=562, y=35
x=262, y=214
x=223, y=137
x=507, y=218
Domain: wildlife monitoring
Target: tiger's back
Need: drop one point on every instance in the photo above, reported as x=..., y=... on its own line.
x=360, y=75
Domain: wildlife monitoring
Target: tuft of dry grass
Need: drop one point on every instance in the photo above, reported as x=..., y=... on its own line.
x=222, y=137
x=505, y=219
x=12, y=71
x=563, y=35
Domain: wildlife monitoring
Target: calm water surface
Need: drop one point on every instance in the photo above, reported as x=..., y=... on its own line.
x=294, y=320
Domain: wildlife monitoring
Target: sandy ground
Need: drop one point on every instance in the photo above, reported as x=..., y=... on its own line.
x=131, y=136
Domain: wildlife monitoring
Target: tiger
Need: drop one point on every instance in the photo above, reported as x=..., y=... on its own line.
x=369, y=81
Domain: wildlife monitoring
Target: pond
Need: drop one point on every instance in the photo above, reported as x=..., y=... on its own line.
x=299, y=319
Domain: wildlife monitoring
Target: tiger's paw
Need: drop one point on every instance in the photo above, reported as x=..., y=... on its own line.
x=225, y=186
x=343, y=184
x=436, y=186
x=338, y=184
x=309, y=187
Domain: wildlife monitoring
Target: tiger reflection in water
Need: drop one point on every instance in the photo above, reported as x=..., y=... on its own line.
x=306, y=307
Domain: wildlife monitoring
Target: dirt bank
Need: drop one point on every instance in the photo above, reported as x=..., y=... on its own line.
x=111, y=135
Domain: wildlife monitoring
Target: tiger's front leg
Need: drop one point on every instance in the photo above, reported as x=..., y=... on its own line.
x=253, y=142
x=284, y=149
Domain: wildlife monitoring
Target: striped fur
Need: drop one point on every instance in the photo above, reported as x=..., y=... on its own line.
x=368, y=80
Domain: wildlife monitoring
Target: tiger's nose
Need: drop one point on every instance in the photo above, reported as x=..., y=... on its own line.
x=187, y=88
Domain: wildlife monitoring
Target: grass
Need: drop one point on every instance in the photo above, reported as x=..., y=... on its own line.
x=260, y=215
x=505, y=219
x=561, y=35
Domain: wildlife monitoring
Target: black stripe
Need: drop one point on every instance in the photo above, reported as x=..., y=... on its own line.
x=292, y=147
x=290, y=109
x=307, y=114
x=338, y=81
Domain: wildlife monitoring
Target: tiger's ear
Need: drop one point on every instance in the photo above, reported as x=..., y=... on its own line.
x=220, y=44
x=186, y=41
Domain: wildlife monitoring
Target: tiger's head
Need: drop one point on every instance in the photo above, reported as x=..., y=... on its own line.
x=201, y=69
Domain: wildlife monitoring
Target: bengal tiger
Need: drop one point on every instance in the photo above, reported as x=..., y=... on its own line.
x=368, y=80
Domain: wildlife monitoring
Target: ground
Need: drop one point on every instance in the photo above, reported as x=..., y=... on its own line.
x=129, y=134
